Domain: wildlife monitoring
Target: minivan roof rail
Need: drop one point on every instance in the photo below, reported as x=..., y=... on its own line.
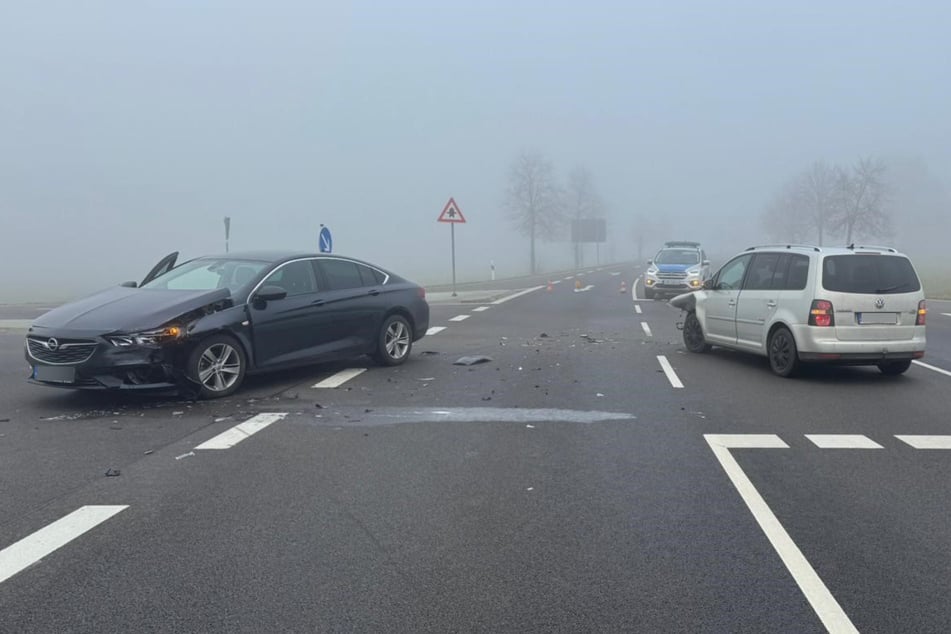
x=853, y=247
x=786, y=246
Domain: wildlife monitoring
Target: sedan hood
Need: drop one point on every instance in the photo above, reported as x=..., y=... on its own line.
x=123, y=309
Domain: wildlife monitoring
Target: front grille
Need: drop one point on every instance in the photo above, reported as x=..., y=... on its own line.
x=67, y=352
x=671, y=276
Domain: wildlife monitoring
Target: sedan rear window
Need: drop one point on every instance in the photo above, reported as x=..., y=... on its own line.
x=869, y=274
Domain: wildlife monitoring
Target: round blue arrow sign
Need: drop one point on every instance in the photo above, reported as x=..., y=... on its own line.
x=326, y=241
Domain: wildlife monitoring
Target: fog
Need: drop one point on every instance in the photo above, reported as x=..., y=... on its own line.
x=130, y=129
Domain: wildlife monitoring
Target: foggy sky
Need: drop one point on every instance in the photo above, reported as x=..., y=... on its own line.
x=129, y=129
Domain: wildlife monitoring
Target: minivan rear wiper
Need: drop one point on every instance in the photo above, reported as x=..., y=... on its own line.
x=890, y=289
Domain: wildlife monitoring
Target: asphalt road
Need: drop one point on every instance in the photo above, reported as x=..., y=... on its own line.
x=565, y=485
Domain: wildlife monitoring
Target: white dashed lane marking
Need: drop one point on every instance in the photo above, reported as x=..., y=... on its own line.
x=647, y=329
x=637, y=309
x=669, y=371
x=231, y=437
x=460, y=318
x=843, y=441
x=340, y=378
x=435, y=330
x=480, y=309
x=926, y=442
x=31, y=549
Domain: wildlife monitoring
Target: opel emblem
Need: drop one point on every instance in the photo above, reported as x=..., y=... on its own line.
x=52, y=344
x=880, y=303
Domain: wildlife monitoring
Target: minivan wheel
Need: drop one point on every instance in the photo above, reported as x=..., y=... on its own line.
x=693, y=335
x=783, y=356
x=395, y=341
x=894, y=368
x=217, y=366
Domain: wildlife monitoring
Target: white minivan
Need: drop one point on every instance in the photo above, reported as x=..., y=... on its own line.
x=795, y=304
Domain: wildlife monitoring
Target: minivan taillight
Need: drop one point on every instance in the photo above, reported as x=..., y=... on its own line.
x=922, y=313
x=821, y=314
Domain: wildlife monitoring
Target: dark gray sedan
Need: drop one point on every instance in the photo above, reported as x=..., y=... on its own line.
x=204, y=325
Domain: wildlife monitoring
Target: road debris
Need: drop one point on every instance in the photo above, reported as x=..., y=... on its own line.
x=185, y=455
x=429, y=378
x=113, y=473
x=473, y=360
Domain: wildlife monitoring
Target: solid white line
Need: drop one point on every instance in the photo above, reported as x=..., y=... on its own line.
x=518, y=294
x=557, y=282
x=843, y=441
x=647, y=329
x=669, y=371
x=585, y=289
x=460, y=318
x=933, y=368
x=827, y=608
x=927, y=442
x=435, y=330
x=634, y=289
x=946, y=314
x=615, y=273
x=638, y=310
x=33, y=548
x=230, y=438
x=340, y=378
x=480, y=309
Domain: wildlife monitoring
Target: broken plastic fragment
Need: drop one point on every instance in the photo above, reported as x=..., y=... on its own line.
x=112, y=473
x=473, y=360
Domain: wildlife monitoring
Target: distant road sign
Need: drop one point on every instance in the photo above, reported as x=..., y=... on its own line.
x=451, y=213
x=326, y=241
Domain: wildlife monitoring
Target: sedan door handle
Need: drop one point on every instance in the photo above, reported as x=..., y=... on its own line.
x=732, y=302
x=374, y=292
x=318, y=302
x=770, y=304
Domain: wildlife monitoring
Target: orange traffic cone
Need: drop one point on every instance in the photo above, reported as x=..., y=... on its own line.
x=577, y=285
x=623, y=290
x=551, y=286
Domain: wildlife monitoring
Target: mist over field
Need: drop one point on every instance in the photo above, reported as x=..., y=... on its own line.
x=130, y=130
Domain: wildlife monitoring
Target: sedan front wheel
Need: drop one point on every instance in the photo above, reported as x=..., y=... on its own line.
x=217, y=366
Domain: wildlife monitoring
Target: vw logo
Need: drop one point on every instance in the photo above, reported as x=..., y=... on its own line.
x=880, y=303
x=52, y=344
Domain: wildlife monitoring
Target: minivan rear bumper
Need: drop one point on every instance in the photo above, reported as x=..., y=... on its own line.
x=815, y=344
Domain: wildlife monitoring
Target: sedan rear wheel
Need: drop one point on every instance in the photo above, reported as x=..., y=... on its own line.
x=396, y=341
x=217, y=365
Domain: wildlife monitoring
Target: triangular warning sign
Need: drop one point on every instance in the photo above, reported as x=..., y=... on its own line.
x=451, y=213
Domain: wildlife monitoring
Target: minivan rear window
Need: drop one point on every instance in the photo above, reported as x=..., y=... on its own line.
x=869, y=274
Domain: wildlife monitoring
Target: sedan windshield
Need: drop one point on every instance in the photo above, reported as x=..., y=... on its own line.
x=209, y=274
x=678, y=256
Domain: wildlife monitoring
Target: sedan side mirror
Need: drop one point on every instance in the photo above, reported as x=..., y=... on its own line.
x=130, y=284
x=706, y=262
x=649, y=262
x=709, y=285
x=270, y=294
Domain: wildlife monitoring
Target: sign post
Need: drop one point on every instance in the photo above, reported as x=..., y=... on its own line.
x=227, y=233
x=453, y=215
x=325, y=240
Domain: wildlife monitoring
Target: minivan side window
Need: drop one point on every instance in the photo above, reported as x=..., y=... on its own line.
x=760, y=277
x=797, y=274
x=731, y=275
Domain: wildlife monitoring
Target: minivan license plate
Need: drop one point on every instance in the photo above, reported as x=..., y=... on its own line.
x=54, y=374
x=888, y=319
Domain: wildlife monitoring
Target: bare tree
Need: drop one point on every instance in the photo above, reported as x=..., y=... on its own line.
x=534, y=200
x=807, y=206
x=784, y=218
x=864, y=194
x=582, y=201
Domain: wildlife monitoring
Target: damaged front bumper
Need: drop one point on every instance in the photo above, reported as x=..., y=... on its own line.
x=134, y=368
